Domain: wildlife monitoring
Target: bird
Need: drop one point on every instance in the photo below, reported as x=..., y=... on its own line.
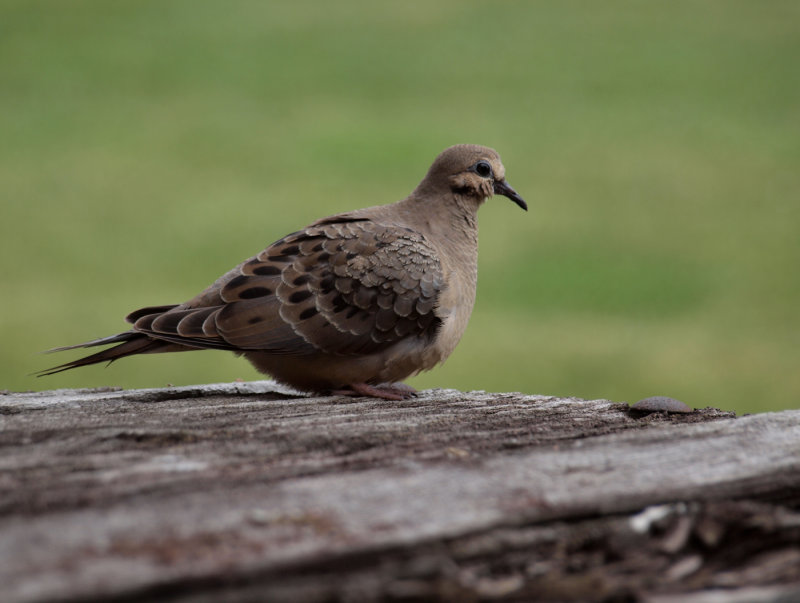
x=352, y=304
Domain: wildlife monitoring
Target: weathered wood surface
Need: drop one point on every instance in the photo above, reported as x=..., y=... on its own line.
x=246, y=491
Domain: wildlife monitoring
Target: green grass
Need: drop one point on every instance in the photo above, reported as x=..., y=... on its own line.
x=147, y=147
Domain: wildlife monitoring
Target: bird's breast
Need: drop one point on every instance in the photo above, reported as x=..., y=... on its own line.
x=454, y=309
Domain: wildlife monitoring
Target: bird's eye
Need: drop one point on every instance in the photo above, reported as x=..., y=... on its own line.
x=483, y=169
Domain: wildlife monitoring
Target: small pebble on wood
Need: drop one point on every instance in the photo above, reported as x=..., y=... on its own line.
x=661, y=404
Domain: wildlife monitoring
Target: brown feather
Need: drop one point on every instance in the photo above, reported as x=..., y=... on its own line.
x=137, y=314
x=132, y=344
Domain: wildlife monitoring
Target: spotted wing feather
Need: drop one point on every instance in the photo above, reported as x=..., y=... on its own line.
x=342, y=287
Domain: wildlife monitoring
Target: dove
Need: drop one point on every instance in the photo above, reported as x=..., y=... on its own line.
x=354, y=303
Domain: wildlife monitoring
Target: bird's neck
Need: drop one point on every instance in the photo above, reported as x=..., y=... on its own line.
x=449, y=217
x=449, y=221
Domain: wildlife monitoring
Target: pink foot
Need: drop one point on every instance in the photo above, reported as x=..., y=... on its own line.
x=393, y=391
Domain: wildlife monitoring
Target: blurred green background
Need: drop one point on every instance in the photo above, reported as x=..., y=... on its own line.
x=148, y=147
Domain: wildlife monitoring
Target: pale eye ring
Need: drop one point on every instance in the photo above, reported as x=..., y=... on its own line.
x=483, y=169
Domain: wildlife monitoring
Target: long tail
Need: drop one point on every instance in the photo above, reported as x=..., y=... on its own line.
x=130, y=343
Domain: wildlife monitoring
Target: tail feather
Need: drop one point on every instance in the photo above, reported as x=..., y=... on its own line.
x=126, y=336
x=130, y=343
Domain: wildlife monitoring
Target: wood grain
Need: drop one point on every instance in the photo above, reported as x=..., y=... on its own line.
x=250, y=491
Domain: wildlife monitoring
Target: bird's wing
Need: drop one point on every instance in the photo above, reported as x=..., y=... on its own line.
x=344, y=286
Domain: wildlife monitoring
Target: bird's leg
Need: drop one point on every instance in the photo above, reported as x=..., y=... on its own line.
x=386, y=391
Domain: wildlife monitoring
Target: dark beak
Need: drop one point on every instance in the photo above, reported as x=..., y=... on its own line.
x=501, y=187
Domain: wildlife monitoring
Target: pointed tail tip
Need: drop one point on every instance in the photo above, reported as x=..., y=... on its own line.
x=130, y=343
x=53, y=370
x=118, y=338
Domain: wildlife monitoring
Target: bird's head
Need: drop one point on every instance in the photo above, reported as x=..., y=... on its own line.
x=472, y=171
